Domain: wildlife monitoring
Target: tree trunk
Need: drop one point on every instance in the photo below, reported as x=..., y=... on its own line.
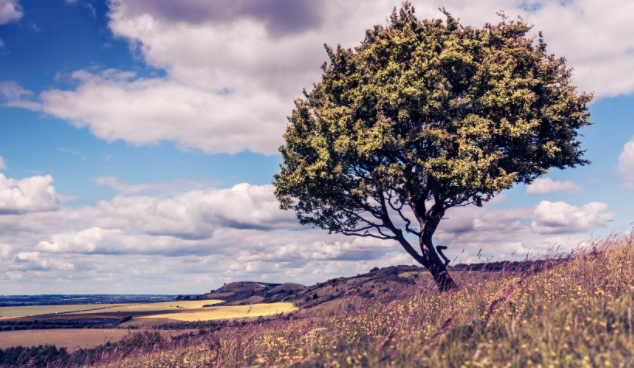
x=435, y=265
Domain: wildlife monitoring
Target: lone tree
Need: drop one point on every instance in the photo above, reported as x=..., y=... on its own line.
x=424, y=116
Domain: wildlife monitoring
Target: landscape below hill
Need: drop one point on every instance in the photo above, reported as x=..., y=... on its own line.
x=573, y=311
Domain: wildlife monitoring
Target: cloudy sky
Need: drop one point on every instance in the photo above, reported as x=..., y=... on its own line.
x=138, y=140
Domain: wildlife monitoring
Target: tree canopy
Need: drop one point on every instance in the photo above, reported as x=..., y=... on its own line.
x=424, y=116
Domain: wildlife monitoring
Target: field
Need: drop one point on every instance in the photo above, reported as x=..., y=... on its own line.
x=224, y=312
x=572, y=313
x=144, y=316
x=61, y=338
x=175, y=306
x=36, y=310
x=194, y=310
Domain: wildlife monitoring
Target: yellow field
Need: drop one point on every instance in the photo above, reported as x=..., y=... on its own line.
x=190, y=310
x=223, y=312
x=36, y=310
x=154, y=307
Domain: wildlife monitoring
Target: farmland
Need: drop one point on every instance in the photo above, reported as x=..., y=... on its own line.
x=36, y=310
x=223, y=312
x=175, y=306
x=190, y=310
x=61, y=338
x=96, y=315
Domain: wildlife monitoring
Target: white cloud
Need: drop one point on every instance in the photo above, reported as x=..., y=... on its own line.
x=205, y=237
x=33, y=194
x=6, y=250
x=3, y=165
x=33, y=261
x=561, y=217
x=16, y=96
x=197, y=214
x=9, y=10
x=548, y=185
x=626, y=164
x=198, y=117
x=501, y=232
x=233, y=68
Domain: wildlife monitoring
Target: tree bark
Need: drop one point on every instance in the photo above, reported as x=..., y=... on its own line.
x=431, y=260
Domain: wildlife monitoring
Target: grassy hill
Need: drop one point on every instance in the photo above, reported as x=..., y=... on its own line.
x=576, y=313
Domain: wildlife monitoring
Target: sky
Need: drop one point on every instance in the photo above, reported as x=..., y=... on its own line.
x=138, y=142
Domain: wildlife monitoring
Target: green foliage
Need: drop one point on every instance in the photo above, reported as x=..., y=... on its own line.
x=424, y=116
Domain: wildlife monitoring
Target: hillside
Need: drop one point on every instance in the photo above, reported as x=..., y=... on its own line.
x=576, y=313
x=561, y=312
x=383, y=281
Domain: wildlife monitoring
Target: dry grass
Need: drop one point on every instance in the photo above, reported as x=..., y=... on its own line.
x=574, y=314
x=225, y=312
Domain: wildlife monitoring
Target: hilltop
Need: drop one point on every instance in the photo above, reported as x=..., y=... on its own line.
x=368, y=285
x=385, y=282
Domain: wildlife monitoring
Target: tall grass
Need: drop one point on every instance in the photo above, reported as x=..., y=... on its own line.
x=572, y=313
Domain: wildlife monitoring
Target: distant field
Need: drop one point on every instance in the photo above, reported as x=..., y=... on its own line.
x=166, y=312
x=83, y=338
x=223, y=312
x=174, y=306
x=36, y=310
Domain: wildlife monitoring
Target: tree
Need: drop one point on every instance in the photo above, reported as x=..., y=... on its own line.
x=424, y=116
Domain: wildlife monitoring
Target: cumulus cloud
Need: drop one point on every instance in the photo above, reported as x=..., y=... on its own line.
x=33, y=194
x=9, y=10
x=502, y=232
x=280, y=17
x=113, y=241
x=32, y=261
x=14, y=95
x=197, y=214
x=233, y=68
x=204, y=237
x=212, y=119
x=561, y=217
x=548, y=185
x=626, y=164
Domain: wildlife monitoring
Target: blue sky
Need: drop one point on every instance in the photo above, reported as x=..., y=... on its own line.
x=138, y=142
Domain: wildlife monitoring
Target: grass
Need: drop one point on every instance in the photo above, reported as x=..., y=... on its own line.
x=574, y=314
x=36, y=310
x=224, y=312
